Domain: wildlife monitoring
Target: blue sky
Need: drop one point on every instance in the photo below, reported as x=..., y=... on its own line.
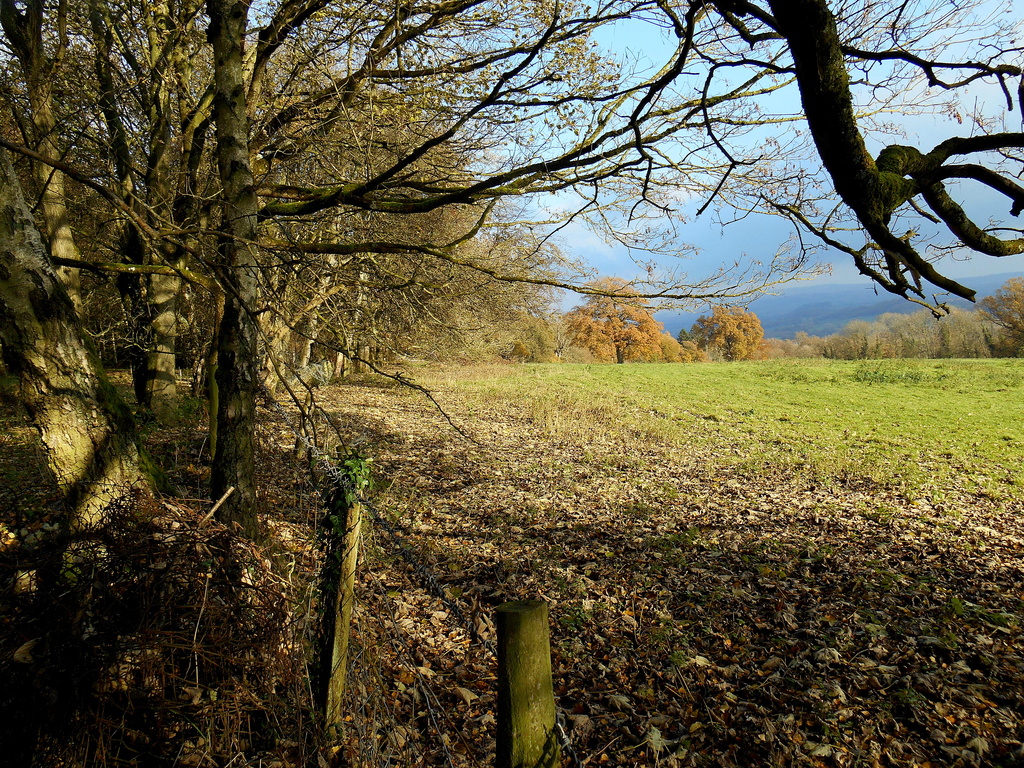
x=758, y=237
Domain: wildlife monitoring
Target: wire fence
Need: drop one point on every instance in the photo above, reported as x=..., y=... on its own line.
x=381, y=738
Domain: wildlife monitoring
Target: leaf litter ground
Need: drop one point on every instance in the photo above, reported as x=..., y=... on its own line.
x=701, y=614
x=705, y=610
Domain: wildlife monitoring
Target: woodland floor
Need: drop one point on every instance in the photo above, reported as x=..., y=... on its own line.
x=700, y=615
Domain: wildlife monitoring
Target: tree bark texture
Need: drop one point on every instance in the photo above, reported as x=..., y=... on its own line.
x=55, y=210
x=88, y=434
x=24, y=33
x=237, y=376
x=161, y=290
x=161, y=369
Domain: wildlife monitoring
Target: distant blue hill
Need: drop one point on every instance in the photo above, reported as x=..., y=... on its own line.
x=820, y=310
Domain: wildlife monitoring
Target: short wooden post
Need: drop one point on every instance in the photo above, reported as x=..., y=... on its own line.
x=526, y=699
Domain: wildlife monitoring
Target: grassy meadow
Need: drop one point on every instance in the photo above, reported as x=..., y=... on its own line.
x=919, y=426
x=779, y=563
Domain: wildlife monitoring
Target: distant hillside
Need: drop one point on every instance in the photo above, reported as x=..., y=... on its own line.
x=824, y=309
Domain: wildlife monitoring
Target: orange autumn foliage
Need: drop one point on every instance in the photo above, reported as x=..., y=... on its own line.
x=617, y=325
x=1005, y=308
x=731, y=333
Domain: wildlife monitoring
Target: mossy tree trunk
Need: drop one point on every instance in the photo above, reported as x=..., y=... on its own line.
x=161, y=360
x=87, y=432
x=24, y=31
x=237, y=375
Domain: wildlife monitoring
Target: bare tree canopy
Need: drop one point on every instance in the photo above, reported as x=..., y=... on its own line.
x=862, y=69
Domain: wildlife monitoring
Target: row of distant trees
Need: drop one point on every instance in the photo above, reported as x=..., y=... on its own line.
x=615, y=326
x=995, y=329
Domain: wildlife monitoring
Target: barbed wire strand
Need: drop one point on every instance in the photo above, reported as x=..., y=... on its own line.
x=329, y=468
x=403, y=653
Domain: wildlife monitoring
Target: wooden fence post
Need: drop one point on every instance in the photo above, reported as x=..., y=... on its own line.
x=344, y=602
x=526, y=700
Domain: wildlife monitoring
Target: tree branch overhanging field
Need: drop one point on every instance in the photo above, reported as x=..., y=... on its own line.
x=875, y=188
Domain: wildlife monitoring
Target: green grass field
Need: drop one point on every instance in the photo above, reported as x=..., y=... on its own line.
x=921, y=426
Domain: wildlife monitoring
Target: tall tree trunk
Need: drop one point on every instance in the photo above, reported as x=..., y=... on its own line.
x=152, y=299
x=210, y=372
x=162, y=290
x=88, y=434
x=54, y=206
x=278, y=338
x=237, y=376
x=132, y=289
x=24, y=33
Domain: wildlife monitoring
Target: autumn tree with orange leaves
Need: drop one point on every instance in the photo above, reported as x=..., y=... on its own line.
x=1005, y=308
x=615, y=324
x=731, y=333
